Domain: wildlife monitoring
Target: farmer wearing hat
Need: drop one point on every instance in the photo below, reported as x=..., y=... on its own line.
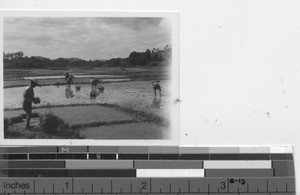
x=156, y=87
x=67, y=74
x=94, y=83
x=28, y=98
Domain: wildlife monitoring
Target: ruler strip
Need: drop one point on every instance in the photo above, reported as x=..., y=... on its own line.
x=147, y=185
x=146, y=170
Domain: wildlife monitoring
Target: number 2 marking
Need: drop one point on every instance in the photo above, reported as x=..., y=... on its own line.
x=144, y=185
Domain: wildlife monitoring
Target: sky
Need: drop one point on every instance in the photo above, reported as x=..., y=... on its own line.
x=88, y=38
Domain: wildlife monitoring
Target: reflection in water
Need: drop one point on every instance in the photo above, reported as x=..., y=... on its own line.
x=96, y=92
x=69, y=92
x=78, y=88
x=156, y=102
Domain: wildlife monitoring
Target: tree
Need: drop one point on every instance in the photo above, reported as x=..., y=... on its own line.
x=5, y=56
x=148, y=55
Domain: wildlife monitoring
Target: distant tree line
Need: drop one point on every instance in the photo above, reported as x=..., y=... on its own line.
x=154, y=57
x=147, y=58
x=11, y=56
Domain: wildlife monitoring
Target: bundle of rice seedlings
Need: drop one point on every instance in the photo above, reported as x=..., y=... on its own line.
x=37, y=100
x=51, y=123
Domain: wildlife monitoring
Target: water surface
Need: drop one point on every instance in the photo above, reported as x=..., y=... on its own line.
x=75, y=75
x=136, y=95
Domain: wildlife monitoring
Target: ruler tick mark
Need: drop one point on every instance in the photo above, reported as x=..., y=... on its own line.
x=150, y=185
x=228, y=184
x=111, y=186
x=34, y=186
x=72, y=185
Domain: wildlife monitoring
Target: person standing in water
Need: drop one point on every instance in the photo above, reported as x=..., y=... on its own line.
x=67, y=74
x=28, y=98
x=156, y=87
x=70, y=80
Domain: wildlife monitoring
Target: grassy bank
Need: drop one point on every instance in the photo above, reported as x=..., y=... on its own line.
x=98, y=121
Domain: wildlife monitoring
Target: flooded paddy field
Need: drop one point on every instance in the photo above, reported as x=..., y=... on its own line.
x=123, y=110
x=135, y=95
x=18, y=77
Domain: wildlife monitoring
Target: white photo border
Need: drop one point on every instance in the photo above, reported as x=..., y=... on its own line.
x=174, y=83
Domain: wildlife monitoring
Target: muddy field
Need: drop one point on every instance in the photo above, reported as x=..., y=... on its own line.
x=126, y=109
x=135, y=95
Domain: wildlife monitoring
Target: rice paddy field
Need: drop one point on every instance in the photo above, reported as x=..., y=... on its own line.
x=125, y=109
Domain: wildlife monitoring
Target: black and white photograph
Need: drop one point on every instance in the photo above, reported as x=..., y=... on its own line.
x=92, y=77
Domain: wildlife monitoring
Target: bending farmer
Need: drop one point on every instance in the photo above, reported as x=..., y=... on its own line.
x=94, y=83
